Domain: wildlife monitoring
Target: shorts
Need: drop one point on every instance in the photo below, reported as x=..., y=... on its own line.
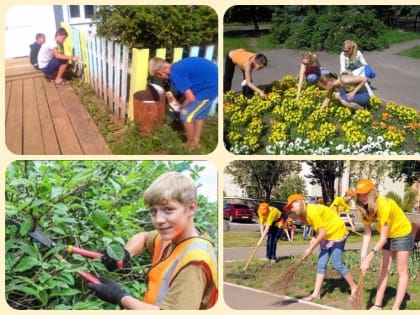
x=400, y=243
x=359, y=98
x=197, y=110
x=53, y=65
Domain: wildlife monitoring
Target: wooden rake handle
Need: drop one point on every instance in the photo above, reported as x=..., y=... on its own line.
x=250, y=258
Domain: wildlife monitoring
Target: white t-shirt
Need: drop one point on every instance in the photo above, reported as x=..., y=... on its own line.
x=46, y=53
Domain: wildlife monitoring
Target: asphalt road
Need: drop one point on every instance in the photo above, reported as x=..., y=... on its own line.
x=397, y=77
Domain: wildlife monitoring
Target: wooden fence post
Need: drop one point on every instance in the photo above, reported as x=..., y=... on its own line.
x=138, y=77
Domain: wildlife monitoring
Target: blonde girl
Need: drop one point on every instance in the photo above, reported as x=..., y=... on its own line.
x=331, y=236
x=396, y=239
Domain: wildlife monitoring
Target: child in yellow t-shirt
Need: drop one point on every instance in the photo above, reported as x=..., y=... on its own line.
x=331, y=235
x=269, y=218
x=341, y=204
x=396, y=239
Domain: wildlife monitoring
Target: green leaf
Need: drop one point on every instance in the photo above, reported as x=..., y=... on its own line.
x=26, y=263
x=26, y=290
x=115, y=251
x=65, y=292
x=101, y=219
x=25, y=227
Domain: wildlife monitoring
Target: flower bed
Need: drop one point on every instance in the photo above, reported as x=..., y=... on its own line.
x=281, y=125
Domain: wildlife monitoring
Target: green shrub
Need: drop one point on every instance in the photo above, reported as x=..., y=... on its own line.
x=158, y=26
x=327, y=28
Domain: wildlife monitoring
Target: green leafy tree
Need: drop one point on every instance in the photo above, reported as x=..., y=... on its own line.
x=291, y=184
x=406, y=170
x=90, y=204
x=324, y=173
x=376, y=170
x=263, y=176
x=153, y=27
x=253, y=14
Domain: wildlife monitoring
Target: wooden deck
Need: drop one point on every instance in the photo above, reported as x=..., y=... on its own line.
x=43, y=118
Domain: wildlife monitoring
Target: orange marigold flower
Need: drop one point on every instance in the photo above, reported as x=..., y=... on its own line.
x=392, y=128
x=385, y=116
x=383, y=125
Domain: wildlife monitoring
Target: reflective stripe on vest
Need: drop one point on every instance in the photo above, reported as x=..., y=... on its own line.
x=194, y=250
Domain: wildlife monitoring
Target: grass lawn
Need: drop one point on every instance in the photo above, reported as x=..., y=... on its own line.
x=335, y=292
x=250, y=239
x=125, y=139
x=413, y=52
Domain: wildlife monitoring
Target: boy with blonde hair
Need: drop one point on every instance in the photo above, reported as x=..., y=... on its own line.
x=183, y=274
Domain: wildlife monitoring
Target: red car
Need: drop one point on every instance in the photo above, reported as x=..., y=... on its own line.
x=237, y=212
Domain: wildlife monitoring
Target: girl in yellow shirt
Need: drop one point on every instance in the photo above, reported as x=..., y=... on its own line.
x=269, y=218
x=341, y=204
x=331, y=235
x=396, y=239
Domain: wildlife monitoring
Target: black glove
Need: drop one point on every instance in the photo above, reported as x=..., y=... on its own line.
x=111, y=264
x=108, y=290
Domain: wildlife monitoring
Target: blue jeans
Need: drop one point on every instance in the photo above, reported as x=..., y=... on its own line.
x=272, y=238
x=336, y=254
x=359, y=98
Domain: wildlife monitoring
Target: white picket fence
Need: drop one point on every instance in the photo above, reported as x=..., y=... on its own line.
x=116, y=72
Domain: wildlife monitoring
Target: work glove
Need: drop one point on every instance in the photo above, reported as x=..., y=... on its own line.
x=111, y=264
x=108, y=291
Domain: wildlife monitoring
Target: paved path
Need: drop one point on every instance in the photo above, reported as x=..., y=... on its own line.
x=243, y=298
x=397, y=77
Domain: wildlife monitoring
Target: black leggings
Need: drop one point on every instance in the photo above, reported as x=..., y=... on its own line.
x=228, y=76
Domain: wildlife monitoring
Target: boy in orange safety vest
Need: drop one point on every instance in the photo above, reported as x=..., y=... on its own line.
x=183, y=274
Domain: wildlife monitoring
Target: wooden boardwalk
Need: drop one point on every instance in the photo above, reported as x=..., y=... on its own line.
x=43, y=118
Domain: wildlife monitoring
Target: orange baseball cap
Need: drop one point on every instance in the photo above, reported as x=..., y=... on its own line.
x=291, y=199
x=263, y=208
x=364, y=186
x=350, y=193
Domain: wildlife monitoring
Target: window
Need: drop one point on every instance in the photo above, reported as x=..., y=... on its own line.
x=81, y=13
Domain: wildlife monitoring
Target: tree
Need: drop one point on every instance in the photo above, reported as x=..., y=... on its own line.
x=324, y=173
x=249, y=14
x=262, y=176
x=153, y=27
x=292, y=184
x=408, y=171
x=376, y=170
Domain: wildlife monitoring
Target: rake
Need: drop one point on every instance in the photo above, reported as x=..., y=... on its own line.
x=282, y=283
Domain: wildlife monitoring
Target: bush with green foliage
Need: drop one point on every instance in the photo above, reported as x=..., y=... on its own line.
x=153, y=27
x=327, y=27
x=89, y=204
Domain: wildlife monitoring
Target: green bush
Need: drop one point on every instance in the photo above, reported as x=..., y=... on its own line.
x=89, y=204
x=158, y=26
x=327, y=28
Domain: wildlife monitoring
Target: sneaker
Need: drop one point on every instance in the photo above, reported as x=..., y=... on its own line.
x=265, y=259
x=273, y=261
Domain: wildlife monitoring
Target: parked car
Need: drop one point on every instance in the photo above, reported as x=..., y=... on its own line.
x=344, y=217
x=237, y=212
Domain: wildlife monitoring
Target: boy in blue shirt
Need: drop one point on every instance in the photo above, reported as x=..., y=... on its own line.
x=196, y=79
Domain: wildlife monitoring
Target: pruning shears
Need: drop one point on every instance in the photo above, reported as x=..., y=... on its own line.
x=38, y=235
